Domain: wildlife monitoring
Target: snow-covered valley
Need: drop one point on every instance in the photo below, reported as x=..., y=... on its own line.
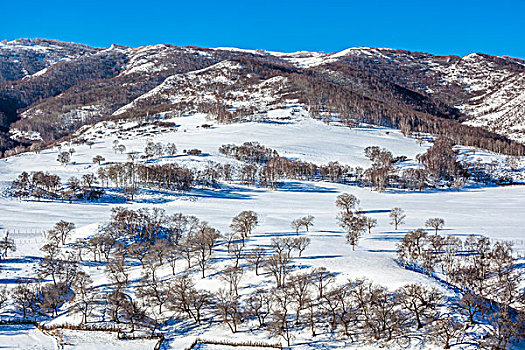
x=492, y=211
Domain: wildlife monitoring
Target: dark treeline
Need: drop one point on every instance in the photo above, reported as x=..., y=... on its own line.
x=324, y=97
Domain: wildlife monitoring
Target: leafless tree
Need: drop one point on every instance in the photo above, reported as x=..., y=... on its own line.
x=6, y=244
x=322, y=278
x=278, y=265
x=347, y=202
x=301, y=243
x=296, y=225
x=354, y=225
x=227, y=306
x=435, y=223
x=117, y=302
x=232, y=276
x=85, y=305
x=24, y=298
x=308, y=221
x=447, y=329
x=204, y=241
x=64, y=157
x=171, y=149
x=421, y=301
x=370, y=223
x=182, y=293
x=134, y=315
x=259, y=305
x=397, y=216
x=280, y=323
x=98, y=159
x=299, y=286
x=61, y=231
x=244, y=223
x=472, y=304
x=153, y=293
x=256, y=258
x=4, y=296
x=117, y=272
x=238, y=253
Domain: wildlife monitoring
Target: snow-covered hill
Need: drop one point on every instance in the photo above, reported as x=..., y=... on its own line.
x=494, y=212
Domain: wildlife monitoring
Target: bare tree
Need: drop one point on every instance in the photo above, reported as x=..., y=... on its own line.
x=280, y=323
x=472, y=304
x=296, y=225
x=244, y=223
x=171, y=149
x=61, y=231
x=370, y=223
x=24, y=297
x=322, y=278
x=185, y=299
x=117, y=302
x=308, y=221
x=227, y=306
x=446, y=330
x=98, y=159
x=64, y=158
x=4, y=296
x=134, y=315
x=89, y=180
x=204, y=241
x=117, y=272
x=237, y=251
x=301, y=243
x=259, y=305
x=84, y=300
x=421, y=301
x=299, y=286
x=121, y=148
x=435, y=223
x=153, y=293
x=232, y=276
x=6, y=244
x=347, y=202
x=354, y=225
x=397, y=216
x=256, y=258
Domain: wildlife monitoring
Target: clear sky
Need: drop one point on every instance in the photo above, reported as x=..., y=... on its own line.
x=440, y=27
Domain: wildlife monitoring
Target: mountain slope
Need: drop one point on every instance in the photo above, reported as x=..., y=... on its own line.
x=74, y=85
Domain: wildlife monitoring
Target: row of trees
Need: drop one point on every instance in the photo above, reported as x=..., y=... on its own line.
x=266, y=167
x=263, y=166
x=40, y=185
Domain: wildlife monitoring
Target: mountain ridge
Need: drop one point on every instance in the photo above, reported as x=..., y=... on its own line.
x=73, y=84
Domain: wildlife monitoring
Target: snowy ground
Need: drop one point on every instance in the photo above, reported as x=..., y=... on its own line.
x=496, y=212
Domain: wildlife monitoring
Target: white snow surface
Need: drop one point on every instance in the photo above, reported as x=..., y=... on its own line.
x=496, y=212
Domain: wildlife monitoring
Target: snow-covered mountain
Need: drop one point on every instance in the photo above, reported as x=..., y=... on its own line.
x=187, y=198
x=52, y=88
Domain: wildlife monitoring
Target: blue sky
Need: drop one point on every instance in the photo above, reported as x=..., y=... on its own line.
x=439, y=27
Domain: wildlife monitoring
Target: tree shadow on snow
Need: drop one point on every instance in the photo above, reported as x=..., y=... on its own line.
x=386, y=237
x=376, y=211
x=293, y=186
